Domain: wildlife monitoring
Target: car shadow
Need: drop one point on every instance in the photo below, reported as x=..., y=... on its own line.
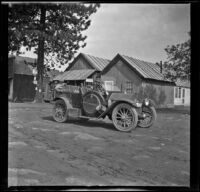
x=89, y=123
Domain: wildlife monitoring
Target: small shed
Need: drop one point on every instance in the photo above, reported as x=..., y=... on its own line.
x=140, y=79
x=20, y=78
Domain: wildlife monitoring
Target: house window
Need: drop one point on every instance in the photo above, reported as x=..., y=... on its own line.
x=179, y=94
x=129, y=87
x=183, y=93
x=176, y=92
x=109, y=85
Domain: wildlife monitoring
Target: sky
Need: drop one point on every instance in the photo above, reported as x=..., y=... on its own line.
x=141, y=31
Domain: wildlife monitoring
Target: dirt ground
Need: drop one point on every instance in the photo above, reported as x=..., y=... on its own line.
x=44, y=152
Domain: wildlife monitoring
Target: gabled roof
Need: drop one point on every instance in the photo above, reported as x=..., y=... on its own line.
x=96, y=63
x=145, y=69
x=73, y=75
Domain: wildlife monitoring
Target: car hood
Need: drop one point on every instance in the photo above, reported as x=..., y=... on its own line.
x=122, y=96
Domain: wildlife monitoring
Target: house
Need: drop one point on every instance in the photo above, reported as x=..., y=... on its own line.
x=182, y=93
x=21, y=79
x=83, y=69
x=139, y=79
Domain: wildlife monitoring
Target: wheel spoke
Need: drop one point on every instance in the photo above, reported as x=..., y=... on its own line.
x=119, y=114
x=120, y=111
x=119, y=118
x=126, y=112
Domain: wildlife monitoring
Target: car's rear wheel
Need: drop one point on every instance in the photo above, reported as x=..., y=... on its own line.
x=60, y=111
x=124, y=117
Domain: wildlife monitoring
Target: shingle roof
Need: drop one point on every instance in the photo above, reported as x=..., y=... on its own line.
x=20, y=66
x=146, y=69
x=74, y=75
x=23, y=69
x=27, y=59
x=98, y=63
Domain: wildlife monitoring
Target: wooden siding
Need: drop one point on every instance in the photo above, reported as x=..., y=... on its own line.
x=81, y=63
x=11, y=67
x=23, y=88
x=120, y=73
x=164, y=93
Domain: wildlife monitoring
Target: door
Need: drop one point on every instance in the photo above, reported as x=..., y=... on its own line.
x=178, y=96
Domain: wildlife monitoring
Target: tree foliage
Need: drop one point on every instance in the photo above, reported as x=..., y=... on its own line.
x=61, y=30
x=177, y=65
x=53, y=30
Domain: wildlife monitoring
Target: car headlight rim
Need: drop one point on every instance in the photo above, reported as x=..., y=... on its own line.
x=138, y=104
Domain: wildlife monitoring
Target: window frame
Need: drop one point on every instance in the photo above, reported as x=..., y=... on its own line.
x=129, y=87
x=183, y=93
x=179, y=93
x=176, y=92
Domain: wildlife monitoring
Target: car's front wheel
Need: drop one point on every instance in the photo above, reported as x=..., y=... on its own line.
x=60, y=111
x=124, y=117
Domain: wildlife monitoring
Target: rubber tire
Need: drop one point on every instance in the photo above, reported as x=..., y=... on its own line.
x=154, y=116
x=60, y=102
x=134, y=113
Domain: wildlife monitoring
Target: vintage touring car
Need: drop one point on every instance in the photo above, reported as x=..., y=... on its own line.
x=84, y=103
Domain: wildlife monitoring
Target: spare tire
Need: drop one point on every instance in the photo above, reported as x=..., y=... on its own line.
x=92, y=102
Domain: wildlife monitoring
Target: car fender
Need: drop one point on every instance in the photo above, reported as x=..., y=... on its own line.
x=67, y=103
x=125, y=100
x=114, y=103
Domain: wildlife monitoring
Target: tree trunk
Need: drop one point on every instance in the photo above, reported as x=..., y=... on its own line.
x=40, y=62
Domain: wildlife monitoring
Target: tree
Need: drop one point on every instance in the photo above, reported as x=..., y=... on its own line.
x=177, y=65
x=52, y=29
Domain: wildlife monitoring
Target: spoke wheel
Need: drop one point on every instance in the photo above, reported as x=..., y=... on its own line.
x=150, y=117
x=60, y=111
x=124, y=117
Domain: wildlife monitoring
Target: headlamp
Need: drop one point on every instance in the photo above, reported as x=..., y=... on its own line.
x=146, y=102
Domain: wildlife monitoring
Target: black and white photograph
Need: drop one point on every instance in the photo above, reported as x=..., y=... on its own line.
x=99, y=94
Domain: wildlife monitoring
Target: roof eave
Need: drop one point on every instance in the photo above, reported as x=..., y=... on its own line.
x=163, y=81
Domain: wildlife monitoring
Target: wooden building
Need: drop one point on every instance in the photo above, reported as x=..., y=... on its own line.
x=139, y=78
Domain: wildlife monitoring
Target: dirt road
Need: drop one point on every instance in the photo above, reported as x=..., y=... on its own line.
x=43, y=152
